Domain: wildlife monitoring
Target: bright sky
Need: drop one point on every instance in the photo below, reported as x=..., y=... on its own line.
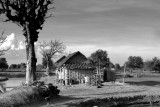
x=121, y=27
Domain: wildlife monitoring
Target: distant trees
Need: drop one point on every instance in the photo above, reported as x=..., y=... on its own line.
x=48, y=50
x=148, y=65
x=22, y=65
x=3, y=63
x=18, y=66
x=117, y=66
x=100, y=57
x=13, y=66
x=111, y=65
x=153, y=64
x=156, y=64
x=134, y=62
x=39, y=67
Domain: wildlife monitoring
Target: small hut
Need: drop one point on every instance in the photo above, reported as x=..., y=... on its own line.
x=73, y=68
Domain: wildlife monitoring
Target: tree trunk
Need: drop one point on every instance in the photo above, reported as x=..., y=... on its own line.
x=31, y=58
x=31, y=65
x=48, y=68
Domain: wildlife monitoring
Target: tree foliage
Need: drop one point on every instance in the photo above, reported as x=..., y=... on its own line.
x=3, y=63
x=117, y=66
x=18, y=66
x=153, y=64
x=13, y=66
x=148, y=65
x=134, y=62
x=156, y=66
x=100, y=57
x=39, y=67
x=44, y=62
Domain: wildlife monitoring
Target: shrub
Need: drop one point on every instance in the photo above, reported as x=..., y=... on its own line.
x=18, y=96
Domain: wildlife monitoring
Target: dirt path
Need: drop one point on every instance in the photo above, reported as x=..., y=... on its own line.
x=71, y=94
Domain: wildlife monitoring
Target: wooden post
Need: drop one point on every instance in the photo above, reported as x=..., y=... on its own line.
x=124, y=74
x=66, y=76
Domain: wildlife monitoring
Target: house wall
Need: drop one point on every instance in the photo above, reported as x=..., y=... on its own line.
x=76, y=75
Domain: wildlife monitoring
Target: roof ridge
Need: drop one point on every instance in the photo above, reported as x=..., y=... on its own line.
x=68, y=57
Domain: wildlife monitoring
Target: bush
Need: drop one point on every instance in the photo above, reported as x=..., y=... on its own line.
x=47, y=91
x=19, y=96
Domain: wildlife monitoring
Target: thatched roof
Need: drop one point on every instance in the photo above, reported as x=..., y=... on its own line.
x=65, y=61
x=81, y=66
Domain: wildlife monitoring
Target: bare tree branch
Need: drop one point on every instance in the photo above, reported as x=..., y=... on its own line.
x=2, y=40
x=49, y=49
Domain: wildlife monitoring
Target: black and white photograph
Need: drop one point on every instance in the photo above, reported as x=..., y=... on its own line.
x=79, y=53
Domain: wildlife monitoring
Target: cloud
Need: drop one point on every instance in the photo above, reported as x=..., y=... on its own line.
x=8, y=42
x=22, y=45
x=12, y=42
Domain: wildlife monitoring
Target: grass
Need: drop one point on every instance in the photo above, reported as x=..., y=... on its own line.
x=146, y=79
x=18, y=96
x=13, y=74
x=117, y=101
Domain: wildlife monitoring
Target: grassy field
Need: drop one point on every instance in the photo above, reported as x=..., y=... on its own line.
x=144, y=79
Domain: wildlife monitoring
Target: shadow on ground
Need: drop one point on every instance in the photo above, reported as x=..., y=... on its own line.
x=144, y=83
x=54, y=102
x=116, y=93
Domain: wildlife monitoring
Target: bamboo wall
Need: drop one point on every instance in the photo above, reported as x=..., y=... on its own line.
x=76, y=75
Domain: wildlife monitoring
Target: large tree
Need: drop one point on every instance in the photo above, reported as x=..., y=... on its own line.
x=49, y=49
x=155, y=64
x=30, y=15
x=45, y=62
x=100, y=58
x=134, y=62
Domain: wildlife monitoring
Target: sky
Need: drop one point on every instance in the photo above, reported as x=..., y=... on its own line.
x=123, y=28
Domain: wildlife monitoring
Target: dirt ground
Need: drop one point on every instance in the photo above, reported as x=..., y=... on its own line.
x=82, y=92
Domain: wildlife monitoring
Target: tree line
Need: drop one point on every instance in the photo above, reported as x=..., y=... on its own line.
x=136, y=62
x=100, y=58
x=22, y=66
